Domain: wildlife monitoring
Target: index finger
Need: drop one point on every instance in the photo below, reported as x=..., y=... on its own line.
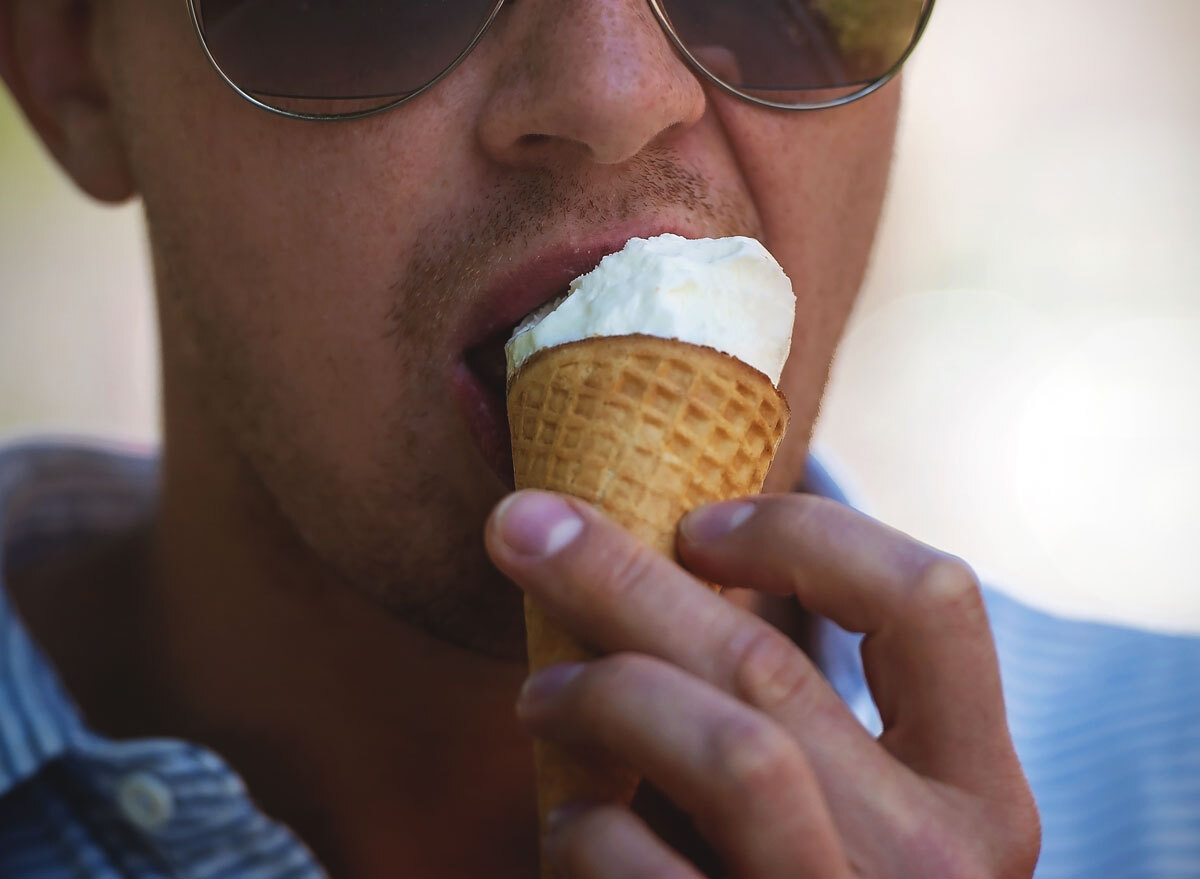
x=928, y=653
x=614, y=592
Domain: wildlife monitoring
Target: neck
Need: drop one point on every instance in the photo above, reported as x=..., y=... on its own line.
x=381, y=746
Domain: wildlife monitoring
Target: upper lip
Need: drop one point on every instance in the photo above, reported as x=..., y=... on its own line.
x=544, y=275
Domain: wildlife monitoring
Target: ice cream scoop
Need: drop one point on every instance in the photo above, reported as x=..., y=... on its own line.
x=725, y=293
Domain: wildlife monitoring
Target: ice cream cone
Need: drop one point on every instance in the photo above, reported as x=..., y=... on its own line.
x=646, y=429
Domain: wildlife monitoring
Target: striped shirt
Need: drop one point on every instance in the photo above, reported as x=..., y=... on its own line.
x=1106, y=721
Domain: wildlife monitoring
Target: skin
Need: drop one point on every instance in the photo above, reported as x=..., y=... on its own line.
x=323, y=506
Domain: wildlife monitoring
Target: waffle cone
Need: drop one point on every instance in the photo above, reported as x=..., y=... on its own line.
x=645, y=429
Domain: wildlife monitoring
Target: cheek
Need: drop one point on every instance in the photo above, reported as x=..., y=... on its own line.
x=278, y=246
x=818, y=180
x=322, y=206
x=276, y=238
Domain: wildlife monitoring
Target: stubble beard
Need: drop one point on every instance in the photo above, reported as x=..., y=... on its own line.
x=409, y=535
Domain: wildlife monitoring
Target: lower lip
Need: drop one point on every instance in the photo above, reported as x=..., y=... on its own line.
x=487, y=420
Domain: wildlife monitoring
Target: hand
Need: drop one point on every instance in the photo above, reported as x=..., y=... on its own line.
x=731, y=720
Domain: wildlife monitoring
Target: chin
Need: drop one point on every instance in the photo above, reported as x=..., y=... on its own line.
x=479, y=611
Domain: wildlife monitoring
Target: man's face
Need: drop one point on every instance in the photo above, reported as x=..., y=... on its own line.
x=320, y=285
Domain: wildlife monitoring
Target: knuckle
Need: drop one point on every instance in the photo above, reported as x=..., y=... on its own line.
x=1030, y=845
x=768, y=669
x=620, y=672
x=941, y=853
x=970, y=840
x=1021, y=860
x=796, y=510
x=1022, y=844
x=1024, y=860
x=625, y=570
x=755, y=758
x=946, y=583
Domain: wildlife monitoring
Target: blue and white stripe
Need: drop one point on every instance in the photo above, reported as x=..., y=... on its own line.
x=72, y=803
x=1106, y=720
x=1107, y=723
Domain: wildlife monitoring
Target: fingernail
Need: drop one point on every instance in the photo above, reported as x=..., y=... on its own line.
x=715, y=520
x=536, y=523
x=542, y=686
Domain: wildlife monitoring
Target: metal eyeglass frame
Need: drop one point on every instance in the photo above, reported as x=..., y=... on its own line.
x=663, y=20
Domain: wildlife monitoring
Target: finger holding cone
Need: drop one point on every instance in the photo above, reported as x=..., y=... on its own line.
x=645, y=428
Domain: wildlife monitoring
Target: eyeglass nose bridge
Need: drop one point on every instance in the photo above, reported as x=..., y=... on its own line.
x=660, y=14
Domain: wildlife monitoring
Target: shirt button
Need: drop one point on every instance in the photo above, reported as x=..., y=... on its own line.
x=144, y=800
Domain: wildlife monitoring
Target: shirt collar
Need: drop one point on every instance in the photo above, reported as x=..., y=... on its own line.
x=49, y=493
x=190, y=811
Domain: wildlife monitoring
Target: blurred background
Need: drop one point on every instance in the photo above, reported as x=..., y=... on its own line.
x=1021, y=382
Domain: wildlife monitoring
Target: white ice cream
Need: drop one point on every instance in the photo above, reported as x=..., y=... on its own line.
x=726, y=293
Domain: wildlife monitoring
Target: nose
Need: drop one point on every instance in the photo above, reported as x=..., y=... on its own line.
x=596, y=79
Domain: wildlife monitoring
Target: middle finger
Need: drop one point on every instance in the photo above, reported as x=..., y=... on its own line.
x=742, y=778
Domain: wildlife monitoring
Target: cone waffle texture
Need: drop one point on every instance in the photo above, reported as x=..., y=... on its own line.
x=646, y=429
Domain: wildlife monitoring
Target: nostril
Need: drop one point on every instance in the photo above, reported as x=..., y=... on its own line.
x=540, y=148
x=592, y=82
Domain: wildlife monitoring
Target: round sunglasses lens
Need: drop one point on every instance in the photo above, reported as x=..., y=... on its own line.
x=332, y=57
x=797, y=51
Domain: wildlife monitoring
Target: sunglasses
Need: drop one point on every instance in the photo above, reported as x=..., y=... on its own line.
x=345, y=59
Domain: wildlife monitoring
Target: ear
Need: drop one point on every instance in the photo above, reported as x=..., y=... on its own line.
x=48, y=58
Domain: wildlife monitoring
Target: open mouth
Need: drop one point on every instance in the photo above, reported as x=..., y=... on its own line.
x=480, y=375
x=488, y=362
x=481, y=384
